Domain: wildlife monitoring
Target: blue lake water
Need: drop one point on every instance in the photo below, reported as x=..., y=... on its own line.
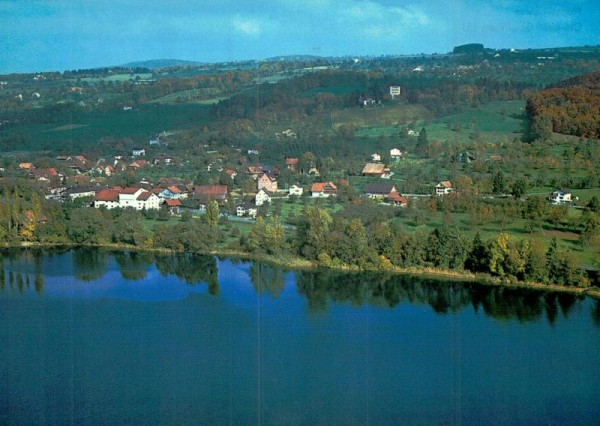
x=93, y=337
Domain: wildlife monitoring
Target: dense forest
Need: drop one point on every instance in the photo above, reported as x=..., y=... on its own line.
x=570, y=107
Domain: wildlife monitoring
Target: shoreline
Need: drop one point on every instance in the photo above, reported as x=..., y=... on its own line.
x=297, y=263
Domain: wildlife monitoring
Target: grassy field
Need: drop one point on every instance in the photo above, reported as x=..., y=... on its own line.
x=495, y=122
x=374, y=118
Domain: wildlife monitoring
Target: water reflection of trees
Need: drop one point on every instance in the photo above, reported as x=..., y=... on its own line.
x=25, y=267
x=133, y=265
x=192, y=268
x=89, y=264
x=266, y=278
x=390, y=290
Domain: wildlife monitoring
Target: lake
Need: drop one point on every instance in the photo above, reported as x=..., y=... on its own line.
x=97, y=337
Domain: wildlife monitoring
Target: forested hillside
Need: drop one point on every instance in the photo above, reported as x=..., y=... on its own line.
x=570, y=107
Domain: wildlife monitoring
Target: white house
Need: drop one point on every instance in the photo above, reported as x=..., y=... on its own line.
x=375, y=157
x=136, y=198
x=296, y=190
x=560, y=197
x=443, y=188
x=263, y=196
x=396, y=154
x=137, y=152
x=246, y=209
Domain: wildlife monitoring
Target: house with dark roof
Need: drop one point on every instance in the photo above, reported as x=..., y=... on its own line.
x=380, y=190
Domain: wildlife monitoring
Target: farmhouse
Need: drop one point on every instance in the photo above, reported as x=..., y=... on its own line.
x=380, y=190
x=397, y=199
x=205, y=193
x=376, y=170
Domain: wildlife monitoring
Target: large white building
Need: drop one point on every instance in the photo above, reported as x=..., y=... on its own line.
x=136, y=198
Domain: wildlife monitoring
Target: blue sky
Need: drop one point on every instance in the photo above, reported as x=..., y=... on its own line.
x=54, y=35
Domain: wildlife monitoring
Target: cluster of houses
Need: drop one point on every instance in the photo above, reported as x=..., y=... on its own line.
x=170, y=193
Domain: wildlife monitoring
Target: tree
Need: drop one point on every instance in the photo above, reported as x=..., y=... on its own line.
x=212, y=213
x=478, y=258
x=313, y=232
x=498, y=183
x=518, y=188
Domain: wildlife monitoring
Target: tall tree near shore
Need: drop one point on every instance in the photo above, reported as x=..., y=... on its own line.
x=212, y=213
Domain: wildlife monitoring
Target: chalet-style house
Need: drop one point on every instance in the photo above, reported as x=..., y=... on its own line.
x=136, y=198
x=561, y=197
x=267, y=181
x=263, y=196
x=443, y=188
x=323, y=190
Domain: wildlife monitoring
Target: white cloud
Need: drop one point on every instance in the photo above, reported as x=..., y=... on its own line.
x=247, y=26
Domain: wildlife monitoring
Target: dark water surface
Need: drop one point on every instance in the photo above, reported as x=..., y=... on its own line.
x=94, y=337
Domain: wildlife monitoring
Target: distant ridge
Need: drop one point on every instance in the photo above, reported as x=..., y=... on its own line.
x=160, y=63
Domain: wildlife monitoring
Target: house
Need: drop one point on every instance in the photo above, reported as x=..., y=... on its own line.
x=396, y=154
x=108, y=198
x=561, y=197
x=375, y=157
x=166, y=182
x=443, y=188
x=172, y=206
x=376, y=170
x=466, y=157
x=79, y=192
x=323, y=190
x=136, y=198
x=397, y=199
x=263, y=196
x=231, y=173
x=291, y=164
x=138, y=164
x=203, y=194
x=246, y=209
x=289, y=133
x=26, y=166
x=380, y=190
x=267, y=181
x=137, y=152
x=78, y=163
x=296, y=190
x=43, y=175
